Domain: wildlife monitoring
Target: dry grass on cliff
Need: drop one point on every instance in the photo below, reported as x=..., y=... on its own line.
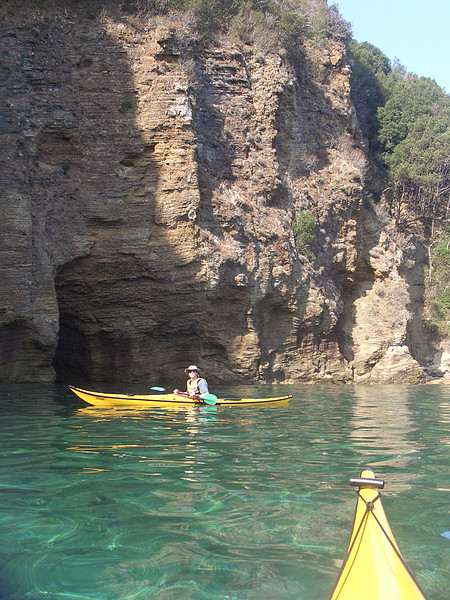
x=351, y=155
x=269, y=27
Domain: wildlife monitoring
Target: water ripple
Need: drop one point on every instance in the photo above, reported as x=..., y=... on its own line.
x=236, y=503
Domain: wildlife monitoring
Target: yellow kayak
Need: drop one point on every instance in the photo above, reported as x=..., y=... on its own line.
x=373, y=568
x=163, y=400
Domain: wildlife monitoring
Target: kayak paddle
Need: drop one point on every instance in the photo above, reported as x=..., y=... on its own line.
x=209, y=399
x=158, y=389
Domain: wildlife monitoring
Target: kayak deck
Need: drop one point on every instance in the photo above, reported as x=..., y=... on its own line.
x=373, y=568
x=151, y=400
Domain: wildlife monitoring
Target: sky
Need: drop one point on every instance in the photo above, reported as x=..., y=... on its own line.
x=417, y=32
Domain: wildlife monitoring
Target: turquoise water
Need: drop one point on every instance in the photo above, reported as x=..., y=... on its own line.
x=215, y=502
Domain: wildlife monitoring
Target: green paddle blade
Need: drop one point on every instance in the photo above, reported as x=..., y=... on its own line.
x=209, y=399
x=158, y=389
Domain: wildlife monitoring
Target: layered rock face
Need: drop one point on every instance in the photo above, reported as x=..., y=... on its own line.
x=149, y=190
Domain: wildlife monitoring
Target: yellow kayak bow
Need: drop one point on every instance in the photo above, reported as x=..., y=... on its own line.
x=373, y=568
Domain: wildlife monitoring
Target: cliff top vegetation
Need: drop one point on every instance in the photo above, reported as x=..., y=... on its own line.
x=285, y=23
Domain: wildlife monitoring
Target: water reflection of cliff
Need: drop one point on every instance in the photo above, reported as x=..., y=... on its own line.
x=381, y=427
x=96, y=430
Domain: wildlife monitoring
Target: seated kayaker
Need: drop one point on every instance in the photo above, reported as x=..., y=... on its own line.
x=196, y=386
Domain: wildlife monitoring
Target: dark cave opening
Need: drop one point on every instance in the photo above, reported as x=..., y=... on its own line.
x=72, y=358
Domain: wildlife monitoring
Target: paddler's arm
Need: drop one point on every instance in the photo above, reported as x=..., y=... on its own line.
x=203, y=387
x=178, y=392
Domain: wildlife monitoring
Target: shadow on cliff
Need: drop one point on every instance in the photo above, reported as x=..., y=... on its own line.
x=301, y=145
x=306, y=129
x=101, y=271
x=97, y=281
x=234, y=306
x=226, y=305
x=120, y=304
x=214, y=152
x=419, y=340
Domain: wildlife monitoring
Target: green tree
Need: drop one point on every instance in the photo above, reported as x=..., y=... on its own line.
x=414, y=130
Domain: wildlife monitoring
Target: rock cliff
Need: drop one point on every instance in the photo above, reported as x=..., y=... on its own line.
x=149, y=188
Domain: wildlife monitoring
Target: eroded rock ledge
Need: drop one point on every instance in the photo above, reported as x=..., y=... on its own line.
x=148, y=196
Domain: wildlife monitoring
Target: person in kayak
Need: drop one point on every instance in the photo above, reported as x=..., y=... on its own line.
x=196, y=386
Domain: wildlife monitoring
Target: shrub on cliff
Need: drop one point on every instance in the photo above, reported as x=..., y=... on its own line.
x=285, y=23
x=282, y=23
x=304, y=228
